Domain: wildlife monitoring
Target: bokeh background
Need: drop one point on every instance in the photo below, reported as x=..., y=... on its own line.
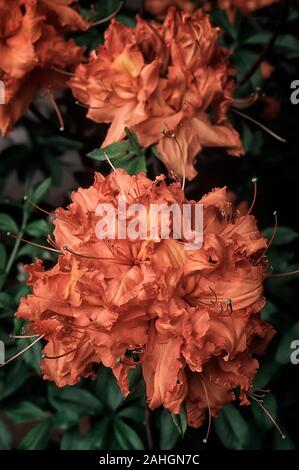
x=38, y=159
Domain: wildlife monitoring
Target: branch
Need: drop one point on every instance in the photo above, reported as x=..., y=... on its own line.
x=269, y=46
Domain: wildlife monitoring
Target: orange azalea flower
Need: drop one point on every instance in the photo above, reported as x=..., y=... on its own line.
x=63, y=12
x=190, y=318
x=31, y=47
x=165, y=82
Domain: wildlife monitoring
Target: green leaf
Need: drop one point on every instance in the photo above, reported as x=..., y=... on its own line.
x=7, y=224
x=38, y=228
x=283, y=444
x=269, y=312
x=169, y=433
x=232, y=429
x=38, y=437
x=127, y=437
x=268, y=369
x=76, y=399
x=260, y=416
x=114, y=151
x=257, y=39
x=3, y=256
x=12, y=379
x=283, y=235
x=221, y=19
x=41, y=190
x=5, y=300
x=25, y=411
x=134, y=413
x=107, y=389
x=180, y=420
x=32, y=356
x=66, y=418
x=126, y=154
x=287, y=45
x=5, y=437
x=93, y=440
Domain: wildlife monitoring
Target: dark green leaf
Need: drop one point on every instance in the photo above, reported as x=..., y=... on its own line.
x=232, y=429
x=268, y=369
x=12, y=379
x=76, y=399
x=41, y=190
x=169, y=433
x=25, y=411
x=38, y=437
x=260, y=415
x=283, y=235
x=134, y=413
x=180, y=420
x=127, y=437
x=38, y=228
x=3, y=256
x=7, y=224
x=5, y=437
x=32, y=356
x=93, y=440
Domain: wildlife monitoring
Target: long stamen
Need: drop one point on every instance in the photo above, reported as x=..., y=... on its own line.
x=271, y=239
x=259, y=124
x=216, y=298
x=27, y=199
x=290, y=273
x=274, y=231
x=63, y=72
x=109, y=17
x=22, y=336
x=110, y=162
x=254, y=181
x=21, y=352
x=65, y=248
x=56, y=109
x=82, y=105
x=205, y=440
x=115, y=170
x=44, y=356
x=249, y=101
x=283, y=436
x=33, y=243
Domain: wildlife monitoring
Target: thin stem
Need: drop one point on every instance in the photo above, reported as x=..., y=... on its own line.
x=282, y=18
x=16, y=246
x=108, y=18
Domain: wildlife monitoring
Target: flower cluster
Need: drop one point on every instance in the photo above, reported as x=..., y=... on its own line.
x=190, y=319
x=33, y=51
x=170, y=83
